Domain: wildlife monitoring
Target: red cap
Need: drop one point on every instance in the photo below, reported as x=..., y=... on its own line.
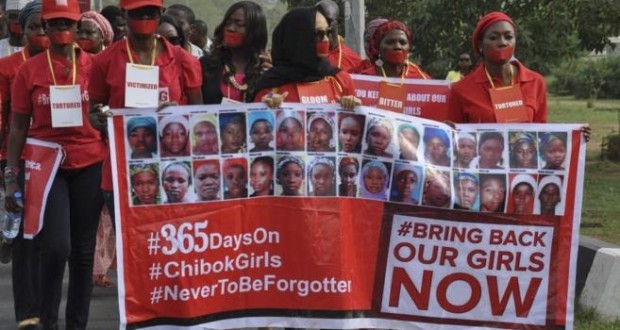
x=133, y=4
x=60, y=9
x=483, y=23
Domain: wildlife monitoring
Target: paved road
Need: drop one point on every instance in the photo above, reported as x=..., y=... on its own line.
x=103, y=307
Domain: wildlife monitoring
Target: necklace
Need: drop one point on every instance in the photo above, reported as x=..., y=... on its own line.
x=234, y=82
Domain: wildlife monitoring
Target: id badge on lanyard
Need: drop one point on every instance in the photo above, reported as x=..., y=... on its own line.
x=141, y=86
x=508, y=105
x=316, y=92
x=66, y=106
x=391, y=97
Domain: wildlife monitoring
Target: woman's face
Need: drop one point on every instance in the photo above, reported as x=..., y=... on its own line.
x=491, y=153
x=350, y=134
x=291, y=178
x=290, y=135
x=145, y=185
x=261, y=135
x=176, y=183
x=89, y=31
x=205, y=135
x=34, y=26
x=348, y=174
x=236, y=21
x=492, y=195
x=555, y=153
x=322, y=179
x=378, y=139
x=174, y=139
x=405, y=182
x=549, y=196
x=261, y=177
x=322, y=28
x=466, y=192
x=233, y=137
x=394, y=40
x=141, y=142
x=320, y=135
x=525, y=154
x=374, y=180
x=497, y=39
x=436, y=150
x=168, y=31
x=438, y=191
x=236, y=181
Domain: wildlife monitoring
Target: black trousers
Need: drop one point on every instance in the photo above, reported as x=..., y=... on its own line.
x=69, y=235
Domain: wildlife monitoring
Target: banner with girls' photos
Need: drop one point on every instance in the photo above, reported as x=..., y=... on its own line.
x=235, y=216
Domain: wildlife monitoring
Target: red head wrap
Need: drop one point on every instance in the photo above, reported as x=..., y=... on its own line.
x=483, y=23
x=379, y=34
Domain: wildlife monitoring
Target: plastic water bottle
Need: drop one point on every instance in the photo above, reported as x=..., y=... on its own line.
x=13, y=220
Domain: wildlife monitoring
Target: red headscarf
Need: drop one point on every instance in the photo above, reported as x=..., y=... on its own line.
x=379, y=34
x=483, y=23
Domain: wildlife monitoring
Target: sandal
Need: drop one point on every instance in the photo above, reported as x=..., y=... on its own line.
x=103, y=281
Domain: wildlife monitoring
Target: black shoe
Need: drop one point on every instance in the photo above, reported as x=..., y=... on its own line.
x=5, y=251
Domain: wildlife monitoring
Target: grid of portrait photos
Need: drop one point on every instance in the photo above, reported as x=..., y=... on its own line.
x=511, y=171
x=211, y=155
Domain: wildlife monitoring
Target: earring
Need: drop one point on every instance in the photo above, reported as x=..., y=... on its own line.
x=379, y=61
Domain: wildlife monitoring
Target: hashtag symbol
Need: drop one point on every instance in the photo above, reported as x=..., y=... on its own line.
x=156, y=295
x=153, y=243
x=405, y=228
x=155, y=271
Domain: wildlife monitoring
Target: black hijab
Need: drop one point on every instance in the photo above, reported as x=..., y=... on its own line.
x=294, y=53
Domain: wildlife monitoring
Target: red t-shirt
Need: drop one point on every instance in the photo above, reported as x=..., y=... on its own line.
x=83, y=145
x=413, y=72
x=8, y=69
x=344, y=57
x=470, y=101
x=342, y=85
x=179, y=71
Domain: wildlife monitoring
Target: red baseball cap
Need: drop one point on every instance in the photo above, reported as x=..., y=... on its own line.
x=133, y=4
x=60, y=9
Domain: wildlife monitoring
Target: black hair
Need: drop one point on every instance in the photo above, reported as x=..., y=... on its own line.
x=189, y=13
x=111, y=12
x=165, y=18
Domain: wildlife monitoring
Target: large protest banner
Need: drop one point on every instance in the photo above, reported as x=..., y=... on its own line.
x=307, y=216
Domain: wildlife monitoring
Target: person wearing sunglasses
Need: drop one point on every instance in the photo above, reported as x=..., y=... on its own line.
x=301, y=72
x=60, y=74
x=170, y=28
x=177, y=81
x=388, y=50
x=340, y=55
x=238, y=55
x=463, y=68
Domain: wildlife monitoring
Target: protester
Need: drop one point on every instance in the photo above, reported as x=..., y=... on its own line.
x=408, y=141
x=368, y=32
x=170, y=28
x=465, y=150
x=301, y=71
x=340, y=55
x=322, y=177
x=472, y=98
x=261, y=176
x=404, y=185
x=238, y=55
x=290, y=175
x=117, y=20
x=24, y=269
x=350, y=131
x=375, y=179
x=176, y=180
x=105, y=251
x=235, y=178
x=207, y=180
x=198, y=35
x=379, y=137
x=74, y=202
x=492, y=192
x=179, y=72
x=321, y=132
x=185, y=16
x=94, y=32
x=466, y=185
x=388, y=50
x=463, y=68
x=15, y=42
x=348, y=169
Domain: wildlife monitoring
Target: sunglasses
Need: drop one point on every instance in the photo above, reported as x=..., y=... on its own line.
x=175, y=40
x=321, y=34
x=148, y=12
x=464, y=59
x=58, y=22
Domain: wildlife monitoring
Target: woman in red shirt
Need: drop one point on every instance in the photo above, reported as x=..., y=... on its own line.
x=301, y=72
x=388, y=49
x=473, y=98
x=73, y=205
